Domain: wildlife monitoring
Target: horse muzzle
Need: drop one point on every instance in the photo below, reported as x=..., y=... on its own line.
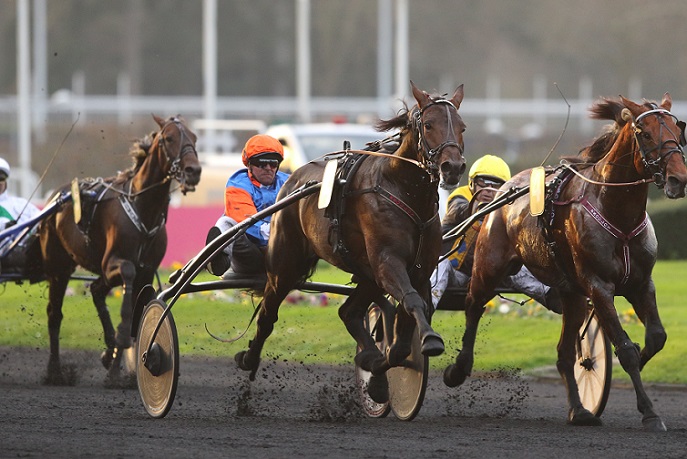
x=674, y=188
x=451, y=172
x=190, y=178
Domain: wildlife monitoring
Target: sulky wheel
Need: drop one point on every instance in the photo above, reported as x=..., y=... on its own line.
x=157, y=370
x=408, y=383
x=375, y=326
x=593, y=366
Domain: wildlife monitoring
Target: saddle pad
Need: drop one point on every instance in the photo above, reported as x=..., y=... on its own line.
x=327, y=188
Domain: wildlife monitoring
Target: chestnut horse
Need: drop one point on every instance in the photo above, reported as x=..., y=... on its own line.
x=594, y=241
x=124, y=239
x=389, y=236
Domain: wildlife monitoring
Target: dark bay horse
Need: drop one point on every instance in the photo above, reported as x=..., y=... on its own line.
x=594, y=241
x=125, y=238
x=389, y=236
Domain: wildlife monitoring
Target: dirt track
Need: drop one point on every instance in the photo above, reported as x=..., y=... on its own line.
x=293, y=410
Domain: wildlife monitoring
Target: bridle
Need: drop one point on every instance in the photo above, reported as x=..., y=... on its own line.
x=654, y=165
x=429, y=154
x=187, y=147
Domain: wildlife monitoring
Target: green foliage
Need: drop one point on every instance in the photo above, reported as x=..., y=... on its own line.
x=523, y=338
x=670, y=220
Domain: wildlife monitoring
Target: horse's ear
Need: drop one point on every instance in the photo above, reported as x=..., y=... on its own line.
x=458, y=96
x=160, y=122
x=667, y=102
x=421, y=97
x=628, y=111
x=683, y=140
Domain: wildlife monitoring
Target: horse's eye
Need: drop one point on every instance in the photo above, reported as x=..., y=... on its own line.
x=427, y=126
x=646, y=136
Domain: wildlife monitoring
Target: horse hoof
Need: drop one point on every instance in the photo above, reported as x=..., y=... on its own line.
x=432, y=345
x=366, y=358
x=106, y=358
x=240, y=359
x=378, y=388
x=654, y=424
x=452, y=378
x=583, y=417
x=396, y=354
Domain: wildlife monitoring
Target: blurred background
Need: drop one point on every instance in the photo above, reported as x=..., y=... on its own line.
x=104, y=67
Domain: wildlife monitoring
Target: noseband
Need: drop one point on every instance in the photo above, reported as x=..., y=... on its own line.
x=429, y=154
x=653, y=165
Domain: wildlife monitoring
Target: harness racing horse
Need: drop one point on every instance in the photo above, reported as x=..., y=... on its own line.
x=124, y=239
x=593, y=241
x=388, y=236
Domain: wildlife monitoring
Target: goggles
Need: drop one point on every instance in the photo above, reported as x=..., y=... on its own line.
x=484, y=182
x=265, y=163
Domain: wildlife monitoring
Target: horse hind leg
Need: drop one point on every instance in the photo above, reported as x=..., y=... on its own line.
x=99, y=291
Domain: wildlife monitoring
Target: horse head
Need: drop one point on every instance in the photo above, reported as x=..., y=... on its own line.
x=178, y=145
x=440, y=134
x=658, y=140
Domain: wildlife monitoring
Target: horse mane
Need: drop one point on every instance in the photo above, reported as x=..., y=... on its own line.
x=400, y=121
x=139, y=151
x=606, y=109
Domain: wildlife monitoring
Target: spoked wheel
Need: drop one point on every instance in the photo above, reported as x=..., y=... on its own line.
x=408, y=383
x=594, y=365
x=157, y=371
x=375, y=326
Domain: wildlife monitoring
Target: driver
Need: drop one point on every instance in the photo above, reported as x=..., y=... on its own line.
x=486, y=176
x=13, y=209
x=247, y=192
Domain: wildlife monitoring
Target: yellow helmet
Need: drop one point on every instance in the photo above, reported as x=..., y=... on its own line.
x=490, y=166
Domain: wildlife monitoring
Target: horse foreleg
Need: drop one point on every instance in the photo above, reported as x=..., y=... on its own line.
x=268, y=315
x=574, y=308
x=655, y=335
x=456, y=373
x=431, y=342
x=99, y=291
x=121, y=272
x=629, y=358
x=352, y=313
x=58, y=287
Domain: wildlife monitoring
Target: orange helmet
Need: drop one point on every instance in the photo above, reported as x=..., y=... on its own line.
x=262, y=144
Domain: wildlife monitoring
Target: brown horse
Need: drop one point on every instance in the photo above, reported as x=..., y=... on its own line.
x=594, y=241
x=123, y=238
x=388, y=236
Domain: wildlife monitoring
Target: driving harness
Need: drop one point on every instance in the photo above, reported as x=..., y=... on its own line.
x=554, y=191
x=348, y=165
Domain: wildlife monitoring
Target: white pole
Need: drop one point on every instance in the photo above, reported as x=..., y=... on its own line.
x=40, y=68
x=384, y=57
x=210, y=58
x=402, y=78
x=303, y=59
x=23, y=97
